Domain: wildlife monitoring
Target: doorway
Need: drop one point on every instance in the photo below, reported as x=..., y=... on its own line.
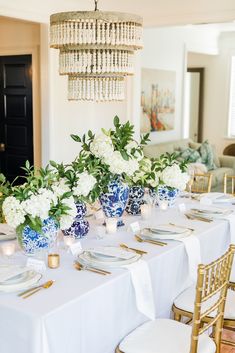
x=16, y=115
x=194, y=102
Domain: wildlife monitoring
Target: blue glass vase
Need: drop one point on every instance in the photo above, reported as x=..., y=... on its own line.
x=80, y=226
x=136, y=199
x=115, y=200
x=33, y=242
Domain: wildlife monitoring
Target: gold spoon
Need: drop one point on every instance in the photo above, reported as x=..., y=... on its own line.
x=155, y=242
x=138, y=251
x=44, y=286
x=34, y=288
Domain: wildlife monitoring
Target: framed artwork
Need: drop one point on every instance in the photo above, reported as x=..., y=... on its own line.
x=157, y=100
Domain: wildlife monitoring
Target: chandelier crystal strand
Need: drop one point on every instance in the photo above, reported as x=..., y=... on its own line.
x=96, y=52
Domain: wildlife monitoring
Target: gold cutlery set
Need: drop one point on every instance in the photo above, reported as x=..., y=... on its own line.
x=198, y=218
x=78, y=266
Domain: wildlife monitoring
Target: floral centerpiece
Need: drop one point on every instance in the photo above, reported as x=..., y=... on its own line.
x=146, y=177
x=38, y=208
x=172, y=175
x=82, y=185
x=4, y=192
x=112, y=157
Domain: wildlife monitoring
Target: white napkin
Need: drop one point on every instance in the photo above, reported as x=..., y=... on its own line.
x=231, y=219
x=7, y=272
x=193, y=250
x=8, y=231
x=142, y=284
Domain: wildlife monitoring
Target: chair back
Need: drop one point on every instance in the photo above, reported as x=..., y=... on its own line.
x=229, y=183
x=201, y=183
x=212, y=285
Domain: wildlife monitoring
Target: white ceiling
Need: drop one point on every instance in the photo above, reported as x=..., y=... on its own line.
x=154, y=12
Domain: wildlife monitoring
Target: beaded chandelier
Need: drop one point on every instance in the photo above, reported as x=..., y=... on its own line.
x=96, y=51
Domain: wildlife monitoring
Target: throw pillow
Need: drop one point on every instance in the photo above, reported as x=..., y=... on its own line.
x=197, y=145
x=190, y=155
x=207, y=155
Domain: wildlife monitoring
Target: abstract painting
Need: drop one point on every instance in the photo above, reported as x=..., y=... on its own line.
x=157, y=100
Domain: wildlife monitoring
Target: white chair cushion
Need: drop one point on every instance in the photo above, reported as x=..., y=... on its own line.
x=164, y=336
x=185, y=301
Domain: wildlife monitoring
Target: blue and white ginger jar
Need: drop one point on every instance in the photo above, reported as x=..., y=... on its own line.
x=136, y=199
x=115, y=200
x=168, y=194
x=33, y=242
x=80, y=226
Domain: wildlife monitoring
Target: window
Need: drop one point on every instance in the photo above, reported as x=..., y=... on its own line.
x=231, y=125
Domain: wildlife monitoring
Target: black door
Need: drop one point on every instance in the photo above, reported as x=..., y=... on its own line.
x=16, y=118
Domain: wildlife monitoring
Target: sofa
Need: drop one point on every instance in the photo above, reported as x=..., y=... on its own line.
x=223, y=164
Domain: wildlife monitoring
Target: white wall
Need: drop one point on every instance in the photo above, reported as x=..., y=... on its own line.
x=216, y=90
x=165, y=49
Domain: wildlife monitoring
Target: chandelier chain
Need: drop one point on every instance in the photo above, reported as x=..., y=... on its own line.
x=96, y=5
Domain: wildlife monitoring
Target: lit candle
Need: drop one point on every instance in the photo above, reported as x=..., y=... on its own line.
x=146, y=211
x=53, y=260
x=111, y=225
x=69, y=240
x=163, y=204
x=8, y=249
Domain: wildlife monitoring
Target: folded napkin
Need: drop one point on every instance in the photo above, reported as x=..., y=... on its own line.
x=142, y=284
x=8, y=272
x=216, y=197
x=193, y=250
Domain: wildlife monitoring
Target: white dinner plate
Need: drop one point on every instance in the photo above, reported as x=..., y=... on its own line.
x=210, y=213
x=19, y=282
x=219, y=197
x=86, y=258
x=165, y=232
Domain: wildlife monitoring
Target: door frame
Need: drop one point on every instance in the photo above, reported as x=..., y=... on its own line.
x=34, y=51
x=201, y=71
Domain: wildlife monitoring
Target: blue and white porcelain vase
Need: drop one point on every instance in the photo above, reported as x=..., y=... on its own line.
x=136, y=199
x=115, y=200
x=80, y=226
x=167, y=194
x=33, y=242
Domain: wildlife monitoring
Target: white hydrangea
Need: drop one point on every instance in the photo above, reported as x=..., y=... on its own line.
x=67, y=220
x=13, y=212
x=116, y=163
x=101, y=146
x=172, y=176
x=60, y=187
x=132, y=165
x=40, y=204
x=86, y=183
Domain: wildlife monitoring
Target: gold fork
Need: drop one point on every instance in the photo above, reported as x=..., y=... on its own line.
x=155, y=242
x=138, y=251
x=44, y=286
x=81, y=267
x=198, y=218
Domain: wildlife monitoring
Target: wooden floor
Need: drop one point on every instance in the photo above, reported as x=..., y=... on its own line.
x=230, y=336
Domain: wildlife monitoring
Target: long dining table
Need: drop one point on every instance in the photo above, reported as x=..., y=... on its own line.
x=84, y=312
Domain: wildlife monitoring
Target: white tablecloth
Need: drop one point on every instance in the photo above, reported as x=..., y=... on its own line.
x=87, y=313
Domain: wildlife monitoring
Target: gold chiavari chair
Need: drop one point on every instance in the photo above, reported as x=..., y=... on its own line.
x=169, y=336
x=184, y=304
x=229, y=184
x=201, y=183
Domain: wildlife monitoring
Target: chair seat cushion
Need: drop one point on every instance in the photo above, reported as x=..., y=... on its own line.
x=164, y=336
x=185, y=301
